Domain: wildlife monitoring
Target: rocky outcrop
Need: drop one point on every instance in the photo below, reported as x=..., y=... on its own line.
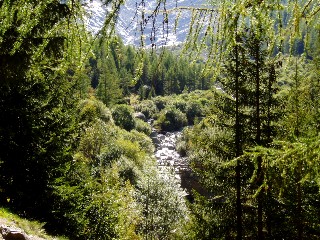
x=10, y=233
x=15, y=233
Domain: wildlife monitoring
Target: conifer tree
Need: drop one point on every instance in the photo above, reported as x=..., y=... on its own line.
x=40, y=53
x=108, y=89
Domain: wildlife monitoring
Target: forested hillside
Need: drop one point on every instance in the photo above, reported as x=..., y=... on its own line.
x=150, y=73
x=79, y=113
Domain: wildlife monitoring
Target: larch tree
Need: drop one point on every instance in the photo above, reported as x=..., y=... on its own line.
x=37, y=119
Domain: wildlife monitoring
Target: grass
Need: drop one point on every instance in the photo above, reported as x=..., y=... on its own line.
x=33, y=228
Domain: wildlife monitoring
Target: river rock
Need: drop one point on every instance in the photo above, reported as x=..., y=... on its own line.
x=154, y=134
x=9, y=233
x=170, y=146
x=156, y=141
x=163, y=158
x=140, y=115
x=169, y=160
x=162, y=137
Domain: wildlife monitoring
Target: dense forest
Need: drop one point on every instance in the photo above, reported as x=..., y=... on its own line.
x=244, y=89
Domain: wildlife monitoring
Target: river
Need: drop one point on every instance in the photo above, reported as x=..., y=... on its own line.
x=170, y=161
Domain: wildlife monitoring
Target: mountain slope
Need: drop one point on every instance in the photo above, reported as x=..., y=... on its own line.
x=170, y=29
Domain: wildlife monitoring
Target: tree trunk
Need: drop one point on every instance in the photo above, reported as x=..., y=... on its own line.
x=260, y=198
x=258, y=138
x=297, y=134
x=238, y=147
x=299, y=207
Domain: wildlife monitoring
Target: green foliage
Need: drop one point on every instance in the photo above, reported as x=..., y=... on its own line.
x=103, y=194
x=147, y=107
x=142, y=126
x=292, y=184
x=110, y=81
x=92, y=197
x=289, y=183
x=120, y=70
x=194, y=109
x=298, y=95
x=161, y=102
x=38, y=98
x=179, y=104
x=122, y=116
x=211, y=219
x=257, y=161
x=210, y=150
x=92, y=109
x=100, y=208
x=171, y=119
x=193, y=105
x=164, y=207
x=111, y=213
x=145, y=143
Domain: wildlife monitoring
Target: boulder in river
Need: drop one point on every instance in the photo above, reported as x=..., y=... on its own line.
x=140, y=115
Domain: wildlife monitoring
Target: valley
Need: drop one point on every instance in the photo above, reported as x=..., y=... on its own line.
x=162, y=120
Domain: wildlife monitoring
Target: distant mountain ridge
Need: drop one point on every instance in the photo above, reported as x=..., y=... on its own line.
x=168, y=32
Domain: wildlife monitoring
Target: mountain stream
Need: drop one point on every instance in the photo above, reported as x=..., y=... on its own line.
x=169, y=160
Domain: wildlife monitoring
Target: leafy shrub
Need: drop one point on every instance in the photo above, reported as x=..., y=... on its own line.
x=160, y=102
x=171, y=119
x=104, y=113
x=109, y=154
x=144, y=141
x=122, y=116
x=194, y=109
x=131, y=150
x=163, y=205
x=181, y=148
x=142, y=126
x=204, y=101
x=88, y=111
x=91, y=109
x=95, y=199
x=92, y=139
x=128, y=170
x=179, y=104
x=147, y=107
x=101, y=208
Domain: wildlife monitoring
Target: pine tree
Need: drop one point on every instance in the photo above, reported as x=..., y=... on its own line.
x=108, y=89
x=38, y=52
